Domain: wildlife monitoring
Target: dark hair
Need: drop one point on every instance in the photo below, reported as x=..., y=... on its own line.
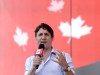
x=44, y=26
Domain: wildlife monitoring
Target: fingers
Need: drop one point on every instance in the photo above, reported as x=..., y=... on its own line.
x=60, y=58
x=60, y=54
x=37, y=60
x=55, y=61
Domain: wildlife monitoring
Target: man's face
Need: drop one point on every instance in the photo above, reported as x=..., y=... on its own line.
x=44, y=37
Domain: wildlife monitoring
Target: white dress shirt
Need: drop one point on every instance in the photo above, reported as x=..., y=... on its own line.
x=49, y=67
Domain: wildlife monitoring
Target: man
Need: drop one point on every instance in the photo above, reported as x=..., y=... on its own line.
x=53, y=61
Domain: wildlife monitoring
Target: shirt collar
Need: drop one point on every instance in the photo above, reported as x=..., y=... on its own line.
x=53, y=51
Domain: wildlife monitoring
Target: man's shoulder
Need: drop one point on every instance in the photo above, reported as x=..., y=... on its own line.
x=30, y=58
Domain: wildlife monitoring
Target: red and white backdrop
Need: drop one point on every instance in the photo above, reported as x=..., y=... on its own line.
x=75, y=22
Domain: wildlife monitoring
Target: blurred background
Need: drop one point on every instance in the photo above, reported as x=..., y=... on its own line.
x=75, y=22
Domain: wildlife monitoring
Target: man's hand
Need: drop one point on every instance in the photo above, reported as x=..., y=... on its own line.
x=61, y=60
x=36, y=61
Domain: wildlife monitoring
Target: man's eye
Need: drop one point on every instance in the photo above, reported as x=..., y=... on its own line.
x=47, y=34
x=40, y=35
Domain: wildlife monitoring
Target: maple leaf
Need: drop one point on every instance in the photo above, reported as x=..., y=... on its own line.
x=76, y=29
x=56, y=5
x=20, y=37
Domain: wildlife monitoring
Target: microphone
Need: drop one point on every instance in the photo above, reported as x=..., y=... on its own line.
x=39, y=52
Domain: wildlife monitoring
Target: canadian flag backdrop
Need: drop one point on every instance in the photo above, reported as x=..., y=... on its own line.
x=75, y=22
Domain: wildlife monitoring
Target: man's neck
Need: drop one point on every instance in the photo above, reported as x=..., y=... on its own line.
x=47, y=51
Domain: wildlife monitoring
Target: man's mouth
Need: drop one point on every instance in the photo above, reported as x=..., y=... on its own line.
x=43, y=42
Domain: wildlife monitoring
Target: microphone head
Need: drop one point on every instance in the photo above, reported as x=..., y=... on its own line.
x=40, y=50
x=41, y=46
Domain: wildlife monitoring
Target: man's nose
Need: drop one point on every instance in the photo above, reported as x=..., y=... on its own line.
x=43, y=36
